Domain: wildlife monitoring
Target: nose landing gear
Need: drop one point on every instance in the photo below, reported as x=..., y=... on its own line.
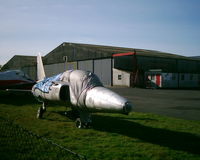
x=41, y=110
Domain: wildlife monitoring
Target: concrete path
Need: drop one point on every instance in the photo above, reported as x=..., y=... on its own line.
x=175, y=103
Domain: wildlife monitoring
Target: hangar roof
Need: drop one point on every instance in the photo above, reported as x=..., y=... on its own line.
x=19, y=61
x=78, y=51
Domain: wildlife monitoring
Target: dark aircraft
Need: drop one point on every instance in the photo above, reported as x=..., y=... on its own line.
x=81, y=90
x=15, y=79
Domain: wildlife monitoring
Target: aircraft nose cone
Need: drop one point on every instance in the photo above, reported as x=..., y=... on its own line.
x=127, y=107
x=104, y=100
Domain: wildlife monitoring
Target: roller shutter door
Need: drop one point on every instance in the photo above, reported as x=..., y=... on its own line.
x=102, y=68
x=86, y=65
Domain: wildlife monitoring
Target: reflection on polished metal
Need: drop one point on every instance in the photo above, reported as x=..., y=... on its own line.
x=105, y=100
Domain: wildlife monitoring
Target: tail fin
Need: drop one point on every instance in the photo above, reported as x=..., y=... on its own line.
x=40, y=68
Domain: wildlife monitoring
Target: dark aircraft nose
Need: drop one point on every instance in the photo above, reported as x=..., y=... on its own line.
x=127, y=107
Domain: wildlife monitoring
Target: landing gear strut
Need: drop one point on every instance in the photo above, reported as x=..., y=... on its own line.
x=41, y=110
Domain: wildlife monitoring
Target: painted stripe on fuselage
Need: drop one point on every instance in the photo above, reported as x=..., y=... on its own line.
x=6, y=84
x=11, y=82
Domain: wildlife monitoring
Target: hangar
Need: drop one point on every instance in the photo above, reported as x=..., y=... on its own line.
x=24, y=63
x=123, y=66
x=126, y=66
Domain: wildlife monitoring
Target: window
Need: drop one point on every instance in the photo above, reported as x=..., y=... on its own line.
x=119, y=77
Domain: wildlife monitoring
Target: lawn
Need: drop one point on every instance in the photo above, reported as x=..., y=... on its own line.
x=113, y=136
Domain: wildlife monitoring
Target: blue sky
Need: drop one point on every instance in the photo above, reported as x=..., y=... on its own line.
x=31, y=26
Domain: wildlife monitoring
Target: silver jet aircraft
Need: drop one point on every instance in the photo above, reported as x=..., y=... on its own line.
x=81, y=90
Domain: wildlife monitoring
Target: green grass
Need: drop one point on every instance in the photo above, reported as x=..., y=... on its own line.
x=113, y=136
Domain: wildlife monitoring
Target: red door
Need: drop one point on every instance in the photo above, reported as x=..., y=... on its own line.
x=158, y=80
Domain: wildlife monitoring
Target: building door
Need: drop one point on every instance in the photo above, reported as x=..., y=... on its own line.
x=103, y=69
x=158, y=80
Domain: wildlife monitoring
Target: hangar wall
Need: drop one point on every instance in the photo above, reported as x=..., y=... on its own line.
x=166, y=64
x=30, y=71
x=172, y=80
x=101, y=67
x=20, y=62
x=189, y=80
x=86, y=65
x=179, y=72
x=188, y=66
x=121, y=78
x=53, y=69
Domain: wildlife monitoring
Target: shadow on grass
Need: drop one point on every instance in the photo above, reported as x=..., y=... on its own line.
x=49, y=116
x=163, y=137
x=17, y=98
x=174, y=140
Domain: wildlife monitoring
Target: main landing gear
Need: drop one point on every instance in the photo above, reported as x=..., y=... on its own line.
x=84, y=121
x=82, y=118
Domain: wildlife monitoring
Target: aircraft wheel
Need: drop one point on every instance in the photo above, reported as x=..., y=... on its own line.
x=78, y=123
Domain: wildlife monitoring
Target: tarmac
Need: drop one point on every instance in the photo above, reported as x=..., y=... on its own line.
x=184, y=104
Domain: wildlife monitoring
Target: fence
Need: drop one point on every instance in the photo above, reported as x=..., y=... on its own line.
x=18, y=143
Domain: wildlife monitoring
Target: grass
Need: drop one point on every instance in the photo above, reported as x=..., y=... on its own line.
x=139, y=136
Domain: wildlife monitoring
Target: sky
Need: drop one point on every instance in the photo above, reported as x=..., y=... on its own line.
x=31, y=26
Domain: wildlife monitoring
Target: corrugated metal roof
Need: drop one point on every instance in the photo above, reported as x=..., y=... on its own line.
x=78, y=51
